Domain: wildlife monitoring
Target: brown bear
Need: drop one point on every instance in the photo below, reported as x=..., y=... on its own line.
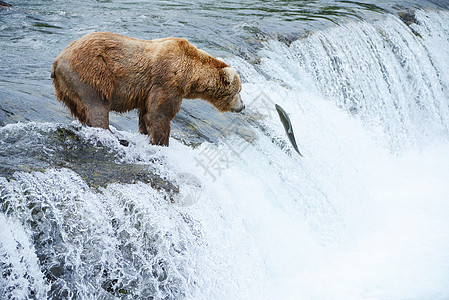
x=103, y=71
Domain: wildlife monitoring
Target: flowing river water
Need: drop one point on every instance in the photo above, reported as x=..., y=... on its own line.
x=229, y=210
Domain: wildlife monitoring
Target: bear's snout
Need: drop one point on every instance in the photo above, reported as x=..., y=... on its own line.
x=238, y=104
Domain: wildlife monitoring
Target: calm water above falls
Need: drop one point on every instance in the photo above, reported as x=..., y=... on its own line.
x=229, y=211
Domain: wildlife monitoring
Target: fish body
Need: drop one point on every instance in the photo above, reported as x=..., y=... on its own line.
x=285, y=120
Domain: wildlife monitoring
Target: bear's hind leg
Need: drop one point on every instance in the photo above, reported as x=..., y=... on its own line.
x=97, y=111
x=65, y=94
x=97, y=108
x=84, y=102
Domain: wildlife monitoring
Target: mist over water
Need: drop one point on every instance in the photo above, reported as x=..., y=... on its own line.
x=229, y=210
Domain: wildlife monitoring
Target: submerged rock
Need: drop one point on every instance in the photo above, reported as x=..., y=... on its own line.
x=408, y=17
x=4, y=115
x=64, y=147
x=4, y=4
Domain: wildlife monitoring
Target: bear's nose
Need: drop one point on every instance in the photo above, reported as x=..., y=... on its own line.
x=238, y=104
x=239, y=109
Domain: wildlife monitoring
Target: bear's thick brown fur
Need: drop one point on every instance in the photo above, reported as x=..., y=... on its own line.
x=104, y=71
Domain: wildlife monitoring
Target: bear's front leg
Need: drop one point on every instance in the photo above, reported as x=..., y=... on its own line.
x=158, y=128
x=142, y=124
x=161, y=107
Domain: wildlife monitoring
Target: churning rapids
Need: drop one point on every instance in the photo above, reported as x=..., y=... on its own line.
x=229, y=210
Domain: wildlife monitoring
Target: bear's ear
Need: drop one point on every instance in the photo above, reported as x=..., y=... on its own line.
x=228, y=74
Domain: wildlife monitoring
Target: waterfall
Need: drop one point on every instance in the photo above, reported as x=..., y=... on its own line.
x=392, y=78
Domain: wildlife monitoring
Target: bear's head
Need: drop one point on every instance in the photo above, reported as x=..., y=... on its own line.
x=230, y=99
x=217, y=83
